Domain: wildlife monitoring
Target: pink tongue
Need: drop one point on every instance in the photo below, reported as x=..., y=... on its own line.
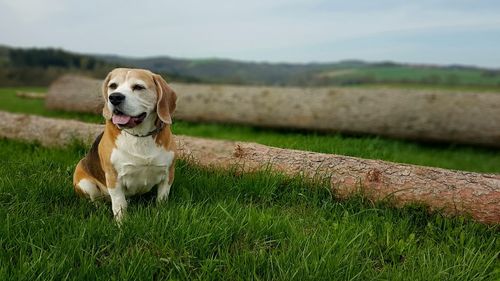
x=121, y=119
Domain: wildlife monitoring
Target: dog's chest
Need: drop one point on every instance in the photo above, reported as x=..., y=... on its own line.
x=140, y=163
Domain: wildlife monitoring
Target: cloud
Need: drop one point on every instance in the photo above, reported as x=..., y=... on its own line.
x=290, y=30
x=32, y=11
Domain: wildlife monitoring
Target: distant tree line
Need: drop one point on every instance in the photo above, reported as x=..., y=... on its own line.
x=46, y=58
x=39, y=67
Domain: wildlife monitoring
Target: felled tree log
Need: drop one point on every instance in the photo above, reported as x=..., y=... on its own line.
x=452, y=192
x=470, y=118
x=75, y=93
x=30, y=95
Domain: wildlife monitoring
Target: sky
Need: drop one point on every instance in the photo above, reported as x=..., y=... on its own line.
x=425, y=31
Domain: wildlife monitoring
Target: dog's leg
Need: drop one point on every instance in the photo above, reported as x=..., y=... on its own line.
x=89, y=188
x=85, y=185
x=117, y=195
x=118, y=202
x=165, y=185
x=163, y=191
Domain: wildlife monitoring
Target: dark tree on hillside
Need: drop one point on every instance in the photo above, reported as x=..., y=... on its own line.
x=46, y=58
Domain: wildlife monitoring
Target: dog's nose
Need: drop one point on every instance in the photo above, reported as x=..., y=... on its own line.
x=116, y=98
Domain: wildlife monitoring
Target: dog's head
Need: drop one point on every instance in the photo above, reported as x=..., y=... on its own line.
x=133, y=95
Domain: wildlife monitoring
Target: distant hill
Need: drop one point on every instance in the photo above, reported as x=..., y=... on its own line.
x=349, y=72
x=234, y=72
x=38, y=67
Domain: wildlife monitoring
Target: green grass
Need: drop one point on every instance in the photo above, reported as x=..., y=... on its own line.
x=435, y=87
x=446, y=156
x=431, y=75
x=222, y=226
x=435, y=77
x=10, y=102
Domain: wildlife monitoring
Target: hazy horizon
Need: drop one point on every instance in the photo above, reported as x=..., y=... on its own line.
x=298, y=31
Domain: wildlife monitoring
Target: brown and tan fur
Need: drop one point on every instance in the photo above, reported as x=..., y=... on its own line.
x=96, y=175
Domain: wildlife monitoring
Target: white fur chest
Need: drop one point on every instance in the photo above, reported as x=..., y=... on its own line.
x=140, y=163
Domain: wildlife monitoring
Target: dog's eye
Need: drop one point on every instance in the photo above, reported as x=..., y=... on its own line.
x=113, y=86
x=138, y=87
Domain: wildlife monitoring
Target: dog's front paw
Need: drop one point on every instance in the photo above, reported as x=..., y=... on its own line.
x=161, y=198
x=119, y=216
x=119, y=213
x=163, y=192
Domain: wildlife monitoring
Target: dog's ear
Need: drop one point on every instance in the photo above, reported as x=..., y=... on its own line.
x=105, y=110
x=165, y=106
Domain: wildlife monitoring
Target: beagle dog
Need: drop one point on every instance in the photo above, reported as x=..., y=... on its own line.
x=137, y=150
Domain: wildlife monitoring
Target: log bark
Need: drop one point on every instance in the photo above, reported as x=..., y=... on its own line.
x=452, y=192
x=439, y=116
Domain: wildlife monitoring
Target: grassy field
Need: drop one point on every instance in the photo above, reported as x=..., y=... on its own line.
x=446, y=156
x=222, y=226
x=437, y=76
